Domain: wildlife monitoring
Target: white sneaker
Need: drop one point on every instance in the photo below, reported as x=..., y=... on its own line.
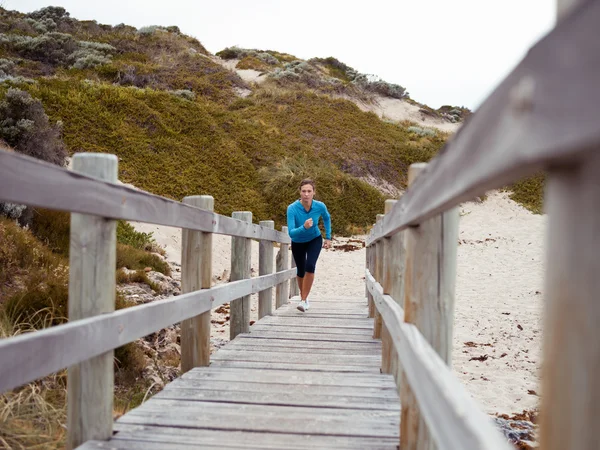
x=302, y=306
x=306, y=306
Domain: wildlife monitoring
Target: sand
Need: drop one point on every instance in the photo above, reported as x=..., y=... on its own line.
x=498, y=296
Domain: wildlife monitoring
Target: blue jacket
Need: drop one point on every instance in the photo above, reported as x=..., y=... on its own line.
x=297, y=215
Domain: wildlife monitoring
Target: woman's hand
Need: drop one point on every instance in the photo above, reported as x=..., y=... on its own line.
x=308, y=223
x=327, y=243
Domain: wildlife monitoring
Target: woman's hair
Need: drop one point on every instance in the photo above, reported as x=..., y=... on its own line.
x=308, y=181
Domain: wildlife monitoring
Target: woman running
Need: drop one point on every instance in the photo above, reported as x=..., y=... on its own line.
x=303, y=227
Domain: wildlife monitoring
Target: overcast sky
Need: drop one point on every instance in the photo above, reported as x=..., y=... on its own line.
x=441, y=51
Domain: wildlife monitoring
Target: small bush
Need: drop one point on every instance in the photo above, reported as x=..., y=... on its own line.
x=56, y=13
x=25, y=127
x=149, y=30
x=185, y=93
x=6, y=66
x=127, y=234
x=421, y=131
x=52, y=48
x=136, y=259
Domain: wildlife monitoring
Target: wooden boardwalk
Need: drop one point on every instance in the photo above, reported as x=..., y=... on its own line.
x=298, y=380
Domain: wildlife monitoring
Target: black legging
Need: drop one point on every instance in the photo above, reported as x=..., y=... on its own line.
x=306, y=255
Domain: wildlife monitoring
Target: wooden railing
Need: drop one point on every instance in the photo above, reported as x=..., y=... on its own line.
x=85, y=345
x=543, y=116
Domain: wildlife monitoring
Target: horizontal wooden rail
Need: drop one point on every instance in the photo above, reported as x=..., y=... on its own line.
x=25, y=180
x=452, y=416
x=34, y=355
x=530, y=122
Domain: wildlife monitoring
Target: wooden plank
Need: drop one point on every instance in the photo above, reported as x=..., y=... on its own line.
x=281, y=419
x=290, y=397
x=522, y=127
x=317, y=315
x=452, y=416
x=301, y=358
x=309, y=321
x=285, y=377
x=34, y=355
x=386, y=394
x=338, y=350
x=294, y=288
x=306, y=336
x=29, y=181
x=241, y=251
x=216, y=438
x=196, y=273
x=571, y=371
x=372, y=346
x=291, y=328
x=265, y=267
x=387, y=266
x=92, y=261
x=296, y=366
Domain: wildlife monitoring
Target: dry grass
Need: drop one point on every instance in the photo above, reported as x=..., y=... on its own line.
x=33, y=416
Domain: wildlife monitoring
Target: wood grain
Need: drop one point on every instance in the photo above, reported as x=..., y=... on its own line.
x=265, y=267
x=29, y=181
x=35, y=355
x=196, y=272
x=571, y=356
x=92, y=287
x=240, y=269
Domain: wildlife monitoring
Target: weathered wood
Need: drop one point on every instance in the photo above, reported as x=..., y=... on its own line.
x=294, y=289
x=294, y=367
x=282, y=263
x=522, y=127
x=290, y=396
x=370, y=305
x=385, y=393
x=29, y=181
x=371, y=347
x=240, y=269
x=299, y=334
x=92, y=287
x=299, y=328
x=454, y=419
x=196, y=274
x=326, y=350
x=322, y=321
x=301, y=358
x=378, y=276
x=226, y=439
x=571, y=364
x=388, y=274
x=265, y=266
x=429, y=281
x=301, y=376
x=283, y=419
x=34, y=355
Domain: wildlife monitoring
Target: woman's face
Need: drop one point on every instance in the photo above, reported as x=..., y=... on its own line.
x=307, y=193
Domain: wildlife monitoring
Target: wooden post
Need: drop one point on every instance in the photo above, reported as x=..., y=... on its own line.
x=371, y=254
x=196, y=273
x=378, y=277
x=393, y=266
x=429, y=284
x=283, y=263
x=92, y=287
x=265, y=267
x=294, y=289
x=240, y=269
x=369, y=266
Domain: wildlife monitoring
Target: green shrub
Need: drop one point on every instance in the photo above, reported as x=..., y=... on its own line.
x=25, y=126
x=126, y=234
x=529, y=192
x=136, y=259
